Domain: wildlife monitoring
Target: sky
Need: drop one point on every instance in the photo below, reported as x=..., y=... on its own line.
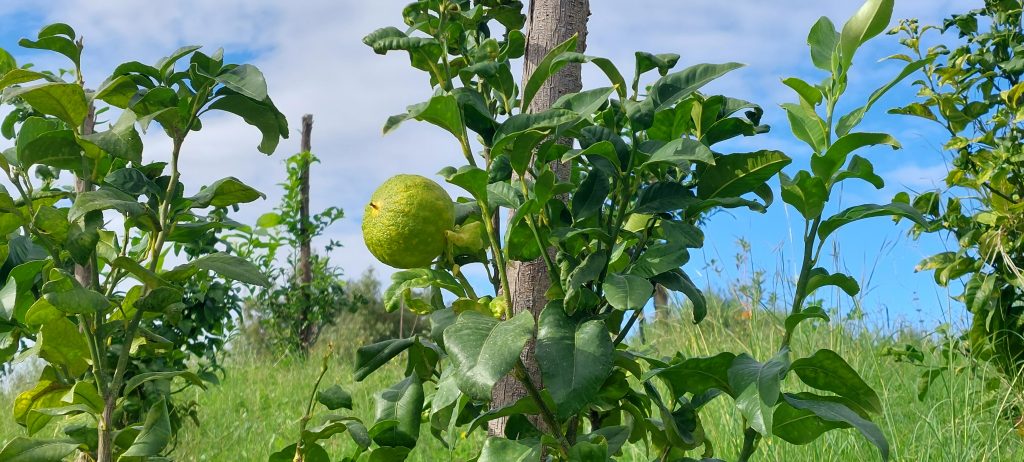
x=314, y=61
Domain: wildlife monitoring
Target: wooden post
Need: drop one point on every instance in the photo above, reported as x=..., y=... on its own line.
x=549, y=23
x=307, y=334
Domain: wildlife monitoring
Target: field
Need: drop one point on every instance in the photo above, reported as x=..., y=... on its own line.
x=255, y=409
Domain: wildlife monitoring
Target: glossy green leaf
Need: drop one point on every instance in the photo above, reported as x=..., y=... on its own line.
x=826, y=165
x=111, y=199
x=860, y=168
x=371, y=357
x=79, y=301
x=673, y=87
x=334, y=397
x=823, y=40
x=574, y=358
x=826, y=370
x=21, y=449
x=810, y=312
x=627, y=292
x=806, y=125
x=819, y=277
x=860, y=212
x=678, y=281
x=155, y=434
x=122, y=140
x=736, y=174
x=809, y=94
x=835, y=412
x=870, y=20
x=696, y=375
x=245, y=79
x=66, y=101
x=664, y=196
x=756, y=388
x=232, y=267
x=484, y=349
x=63, y=344
x=441, y=110
x=681, y=152
x=401, y=403
x=225, y=192
x=503, y=450
x=806, y=193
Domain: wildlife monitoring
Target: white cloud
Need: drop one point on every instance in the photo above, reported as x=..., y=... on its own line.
x=312, y=55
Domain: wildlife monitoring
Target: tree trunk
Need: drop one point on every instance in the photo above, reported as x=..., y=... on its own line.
x=549, y=23
x=85, y=274
x=660, y=302
x=307, y=334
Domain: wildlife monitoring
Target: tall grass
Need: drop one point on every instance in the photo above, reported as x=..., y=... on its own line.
x=256, y=408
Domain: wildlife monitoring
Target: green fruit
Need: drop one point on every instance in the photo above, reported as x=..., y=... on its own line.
x=405, y=222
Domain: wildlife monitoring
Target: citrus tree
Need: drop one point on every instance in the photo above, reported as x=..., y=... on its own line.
x=88, y=277
x=974, y=92
x=290, y=313
x=645, y=168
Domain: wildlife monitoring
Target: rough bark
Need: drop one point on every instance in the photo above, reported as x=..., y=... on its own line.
x=307, y=335
x=549, y=23
x=85, y=273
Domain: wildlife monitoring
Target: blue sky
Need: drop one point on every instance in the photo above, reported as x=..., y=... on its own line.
x=315, y=62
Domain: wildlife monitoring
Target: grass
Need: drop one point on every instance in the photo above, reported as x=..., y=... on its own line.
x=255, y=410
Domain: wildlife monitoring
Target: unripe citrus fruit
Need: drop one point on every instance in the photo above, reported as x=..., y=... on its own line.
x=405, y=222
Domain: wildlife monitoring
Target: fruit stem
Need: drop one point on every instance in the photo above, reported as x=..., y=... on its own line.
x=498, y=258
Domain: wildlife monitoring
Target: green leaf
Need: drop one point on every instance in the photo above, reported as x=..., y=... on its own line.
x=673, y=87
x=441, y=110
x=835, y=412
x=140, y=272
x=544, y=70
x=56, y=149
x=810, y=312
x=756, y=388
x=334, y=424
x=66, y=101
x=245, y=79
x=589, y=198
x=63, y=45
x=334, y=397
x=484, y=349
x=121, y=141
x=861, y=212
x=144, y=377
x=371, y=357
x=806, y=193
x=861, y=168
x=681, y=152
x=23, y=449
x=627, y=292
x=819, y=277
x=225, y=192
x=826, y=370
x=826, y=165
x=503, y=450
x=678, y=281
x=232, y=267
x=398, y=454
x=155, y=434
x=696, y=375
x=62, y=343
x=261, y=114
x=848, y=121
x=79, y=300
x=574, y=358
x=117, y=91
x=809, y=94
x=664, y=196
x=823, y=40
x=806, y=125
x=401, y=404
x=736, y=174
x=403, y=282
x=469, y=177
x=870, y=20
x=107, y=199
